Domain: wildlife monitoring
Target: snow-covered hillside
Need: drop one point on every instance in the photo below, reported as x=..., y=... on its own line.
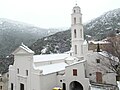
x=13, y=33
x=103, y=25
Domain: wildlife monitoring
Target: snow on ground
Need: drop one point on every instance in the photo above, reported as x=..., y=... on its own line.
x=118, y=82
x=93, y=88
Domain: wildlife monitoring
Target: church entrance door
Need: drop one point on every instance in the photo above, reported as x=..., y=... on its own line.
x=75, y=86
x=21, y=86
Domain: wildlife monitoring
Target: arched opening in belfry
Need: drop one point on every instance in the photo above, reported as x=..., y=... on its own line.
x=75, y=34
x=74, y=20
x=75, y=86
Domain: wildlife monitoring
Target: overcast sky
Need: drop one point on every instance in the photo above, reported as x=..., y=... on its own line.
x=53, y=13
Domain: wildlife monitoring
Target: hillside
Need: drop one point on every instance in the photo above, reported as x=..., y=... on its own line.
x=102, y=26
x=13, y=33
x=56, y=43
x=98, y=28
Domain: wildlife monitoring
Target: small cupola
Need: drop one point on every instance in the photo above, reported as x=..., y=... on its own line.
x=76, y=9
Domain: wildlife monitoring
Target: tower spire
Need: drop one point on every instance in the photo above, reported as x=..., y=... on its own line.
x=76, y=2
x=77, y=32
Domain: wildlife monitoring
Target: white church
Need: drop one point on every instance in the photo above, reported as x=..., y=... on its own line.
x=77, y=69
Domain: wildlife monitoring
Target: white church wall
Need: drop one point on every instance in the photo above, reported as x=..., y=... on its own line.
x=23, y=63
x=69, y=77
x=79, y=32
x=4, y=81
x=93, y=67
x=12, y=76
x=35, y=80
x=48, y=82
x=48, y=62
x=20, y=71
x=23, y=66
x=42, y=63
x=110, y=78
x=60, y=78
x=77, y=15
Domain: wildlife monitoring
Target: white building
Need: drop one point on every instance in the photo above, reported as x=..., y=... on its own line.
x=69, y=71
x=4, y=81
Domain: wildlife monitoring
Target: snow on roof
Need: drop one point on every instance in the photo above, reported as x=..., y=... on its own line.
x=78, y=62
x=94, y=88
x=85, y=42
x=68, y=52
x=106, y=54
x=51, y=68
x=26, y=48
x=71, y=58
x=44, y=50
x=98, y=42
x=49, y=57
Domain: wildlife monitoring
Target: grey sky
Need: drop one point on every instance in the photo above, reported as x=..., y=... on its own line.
x=53, y=13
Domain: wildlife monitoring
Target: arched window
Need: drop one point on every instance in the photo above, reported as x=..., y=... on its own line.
x=75, y=49
x=74, y=20
x=75, y=34
x=74, y=11
x=26, y=72
x=81, y=49
x=81, y=33
x=80, y=20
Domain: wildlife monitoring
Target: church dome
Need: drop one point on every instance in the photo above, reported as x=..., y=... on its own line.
x=76, y=9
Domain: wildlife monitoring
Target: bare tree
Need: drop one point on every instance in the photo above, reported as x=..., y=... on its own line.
x=113, y=54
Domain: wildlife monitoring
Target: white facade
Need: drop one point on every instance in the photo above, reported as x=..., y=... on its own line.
x=44, y=72
x=4, y=81
x=77, y=32
x=97, y=63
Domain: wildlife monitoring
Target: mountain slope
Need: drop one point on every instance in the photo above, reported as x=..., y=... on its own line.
x=98, y=28
x=13, y=33
x=56, y=43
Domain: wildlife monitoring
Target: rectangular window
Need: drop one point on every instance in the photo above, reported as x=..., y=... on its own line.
x=81, y=49
x=75, y=49
x=11, y=86
x=75, y=34
x=74, y=72
x=80, y=20
x=97, y=60
x=81, y=33
x=74, y=20
x=21, y=86
x=74, y=11
x=26, y=72
x=17, y=70
x=1, y=79
x=0, y=87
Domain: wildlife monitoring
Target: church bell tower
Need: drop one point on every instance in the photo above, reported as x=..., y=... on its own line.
x=77, y=32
